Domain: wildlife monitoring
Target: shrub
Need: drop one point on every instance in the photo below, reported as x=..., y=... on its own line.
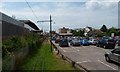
x=16, y=42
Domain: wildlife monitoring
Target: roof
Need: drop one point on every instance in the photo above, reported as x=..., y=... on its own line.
x=6, y=18
x=31, y=24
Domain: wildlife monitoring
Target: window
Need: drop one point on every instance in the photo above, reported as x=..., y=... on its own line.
x=117, y=51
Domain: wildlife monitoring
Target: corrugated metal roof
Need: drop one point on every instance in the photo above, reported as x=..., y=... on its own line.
x=31, y=24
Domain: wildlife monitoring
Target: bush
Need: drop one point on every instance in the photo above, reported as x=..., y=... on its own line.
x=16, y=42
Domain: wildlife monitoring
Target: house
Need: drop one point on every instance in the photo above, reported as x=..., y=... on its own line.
x=65, y=32
x=86, y=30
x=94, y=32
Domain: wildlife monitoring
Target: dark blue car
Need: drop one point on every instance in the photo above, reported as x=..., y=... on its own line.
x=101, y=42
x=63, y=42
x=106, y=43
x=53, y=38
x=84, y=42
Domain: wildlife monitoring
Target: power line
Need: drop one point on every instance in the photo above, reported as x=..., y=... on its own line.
x=31, y=10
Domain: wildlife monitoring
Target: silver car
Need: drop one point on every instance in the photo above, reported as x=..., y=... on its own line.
x=113, y=55
x=93, y=41
x=75, y=41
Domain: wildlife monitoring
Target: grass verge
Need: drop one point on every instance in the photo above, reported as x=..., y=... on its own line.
x=43, y=59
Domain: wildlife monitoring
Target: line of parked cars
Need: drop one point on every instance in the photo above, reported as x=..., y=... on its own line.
x=104, y=42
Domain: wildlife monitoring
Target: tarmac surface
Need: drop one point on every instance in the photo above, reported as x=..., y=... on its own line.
x=89, y=57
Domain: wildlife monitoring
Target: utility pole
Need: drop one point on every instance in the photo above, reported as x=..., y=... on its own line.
x=50, y=29
x=51, y=32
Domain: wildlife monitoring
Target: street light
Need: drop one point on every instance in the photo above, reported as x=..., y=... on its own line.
x=50, y=29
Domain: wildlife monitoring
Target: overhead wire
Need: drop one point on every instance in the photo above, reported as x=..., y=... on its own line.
x=31, y=9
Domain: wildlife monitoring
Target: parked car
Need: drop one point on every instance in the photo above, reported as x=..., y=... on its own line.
x=110, y=43
x=113, y=55
x=116, y=38
x=118, y=41
x=75, y=41
x=101, y=42
x=53, y=38
x=57, y=40
x=93, y=41
x=106, y=42
x=84, y=42
x=63, y=42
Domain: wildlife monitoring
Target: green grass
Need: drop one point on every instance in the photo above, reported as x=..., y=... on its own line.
x=43, y=59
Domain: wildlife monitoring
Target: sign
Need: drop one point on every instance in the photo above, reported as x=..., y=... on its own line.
x=112, y=34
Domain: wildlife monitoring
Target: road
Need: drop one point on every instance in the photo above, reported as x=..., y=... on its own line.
x=89, y=57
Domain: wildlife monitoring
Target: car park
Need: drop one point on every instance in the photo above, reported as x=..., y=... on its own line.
x=75, y=41
x=113, y=55
x=84, y=42
x=63, y=42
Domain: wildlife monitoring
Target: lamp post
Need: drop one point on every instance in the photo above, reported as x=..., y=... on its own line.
x=50, y=29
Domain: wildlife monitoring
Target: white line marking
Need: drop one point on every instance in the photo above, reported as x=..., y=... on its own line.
x=107, y=65
x=60, y=48
x=84, y=47
x=84, y=61
x=64, y=50
x=75, y=48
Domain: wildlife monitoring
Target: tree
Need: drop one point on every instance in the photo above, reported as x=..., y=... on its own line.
x=74, y=32
x=81, y=33
x=78, y=33
x=118, y=33
x=104, y=28
x=112, y=30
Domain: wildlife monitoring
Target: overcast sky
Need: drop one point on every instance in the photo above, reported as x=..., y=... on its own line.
x=70, y=14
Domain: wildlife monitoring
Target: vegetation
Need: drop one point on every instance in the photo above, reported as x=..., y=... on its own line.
x=112, y=30
x=17, y=48
x=104, y=31
x=78, y=33
x=16, y=42
x=43, y=59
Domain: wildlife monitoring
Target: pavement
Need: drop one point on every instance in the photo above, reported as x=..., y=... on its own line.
x=89, y=57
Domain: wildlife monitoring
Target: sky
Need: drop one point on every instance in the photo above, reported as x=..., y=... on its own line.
x=70, y=14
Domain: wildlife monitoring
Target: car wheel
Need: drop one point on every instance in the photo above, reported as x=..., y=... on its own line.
x=107, y=59
x=102, y=46
x=72, y=44
x=97, y=45
x=105, y=47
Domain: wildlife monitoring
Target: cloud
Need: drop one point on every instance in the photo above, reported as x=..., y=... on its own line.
x=101, y=4
x=92, y=13
x=44, y=0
